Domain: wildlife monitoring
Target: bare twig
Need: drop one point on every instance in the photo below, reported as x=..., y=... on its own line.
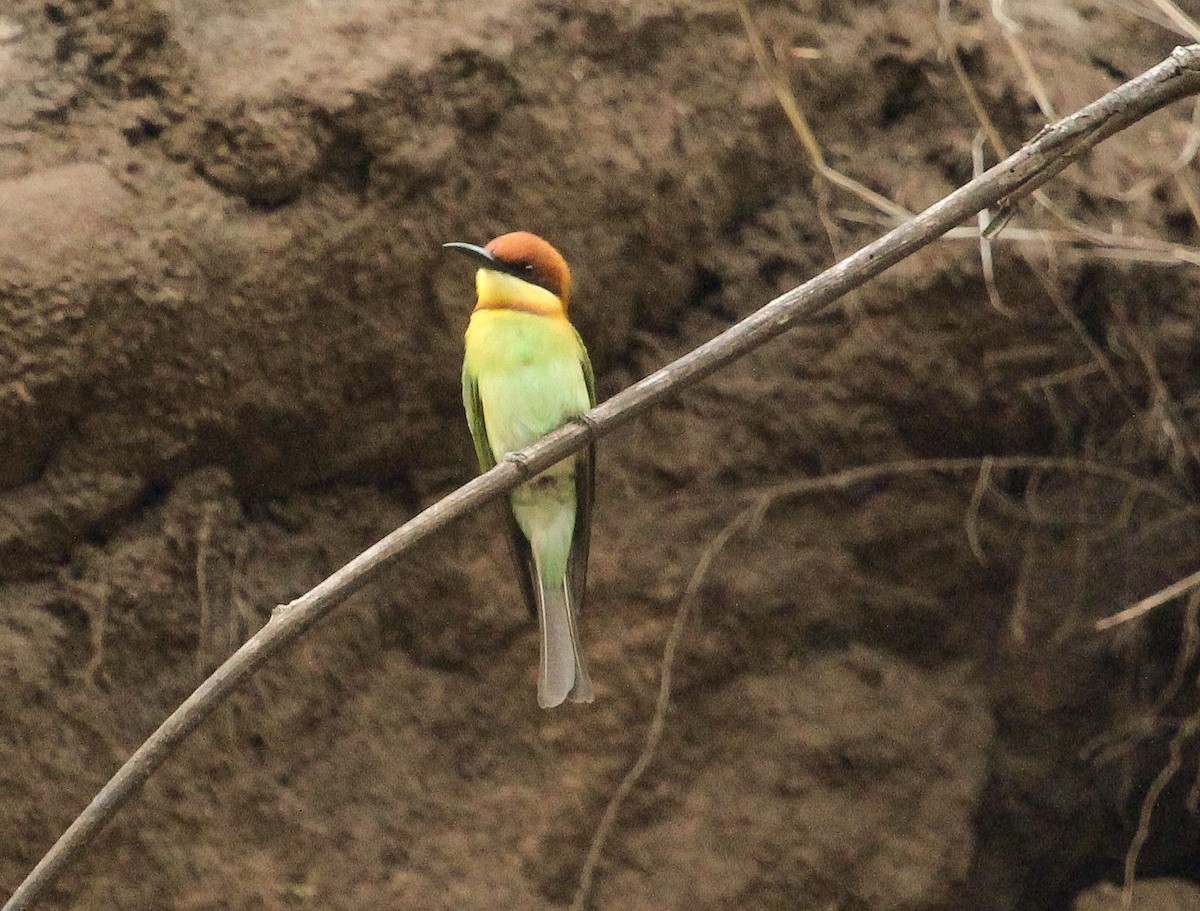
x=1052, y=150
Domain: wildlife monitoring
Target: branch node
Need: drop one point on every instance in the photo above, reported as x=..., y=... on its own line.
x=521, y=461
x=589, y=423
x=1187, y=57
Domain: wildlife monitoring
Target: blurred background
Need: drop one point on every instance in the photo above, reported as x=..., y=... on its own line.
x=229, y=361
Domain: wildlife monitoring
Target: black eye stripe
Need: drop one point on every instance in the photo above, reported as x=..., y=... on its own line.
x=542, y=282
x=529, y=272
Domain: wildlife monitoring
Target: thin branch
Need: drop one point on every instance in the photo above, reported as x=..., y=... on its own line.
x=1053, y=149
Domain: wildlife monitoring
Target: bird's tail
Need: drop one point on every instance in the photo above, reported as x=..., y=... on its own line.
x=562, y=672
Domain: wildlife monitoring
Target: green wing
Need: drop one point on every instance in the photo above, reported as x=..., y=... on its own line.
x=517, y=545
x=585, y=492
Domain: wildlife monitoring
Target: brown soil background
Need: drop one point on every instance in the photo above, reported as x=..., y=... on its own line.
x=229, y=355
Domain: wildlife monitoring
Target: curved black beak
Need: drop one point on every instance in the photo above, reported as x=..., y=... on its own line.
x=474, y=251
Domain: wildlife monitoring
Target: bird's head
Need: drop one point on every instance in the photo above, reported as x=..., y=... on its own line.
x=519, y=271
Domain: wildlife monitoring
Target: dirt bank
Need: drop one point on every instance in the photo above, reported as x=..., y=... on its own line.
x=229, y=360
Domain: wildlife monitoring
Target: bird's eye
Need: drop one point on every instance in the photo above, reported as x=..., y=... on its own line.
x=528, y=267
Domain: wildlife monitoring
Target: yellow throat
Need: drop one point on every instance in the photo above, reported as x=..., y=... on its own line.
x=501, y=291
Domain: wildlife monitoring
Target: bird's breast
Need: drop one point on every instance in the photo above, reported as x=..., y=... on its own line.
x=529, y=372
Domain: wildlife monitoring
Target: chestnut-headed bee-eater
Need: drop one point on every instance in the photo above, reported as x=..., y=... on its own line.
x=526, y=373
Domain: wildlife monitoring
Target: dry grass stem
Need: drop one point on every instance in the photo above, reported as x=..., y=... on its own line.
x=1142, y=12
x=1143, y=607
x=1148, y=250
x=1121, y=744
x=950, y=49
x=1018, y=616
x=1038, y=465
x=777, y=79
x=662, y=703
x=205, y=637
x=1188, y=192
x=1186, y=25
x=97, y=613
x=1131, y=247
x=972, y=520
x=1099, y=356
x=1174, y=763
x=824, y=175
x=1011, y=29
x=751, y=518
x=984, y=218
x=1188, y=648
x=1107, y=244
x=1162, y=404
x=1191, y=144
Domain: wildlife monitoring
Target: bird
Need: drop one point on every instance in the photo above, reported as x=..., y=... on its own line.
x=525, y=373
